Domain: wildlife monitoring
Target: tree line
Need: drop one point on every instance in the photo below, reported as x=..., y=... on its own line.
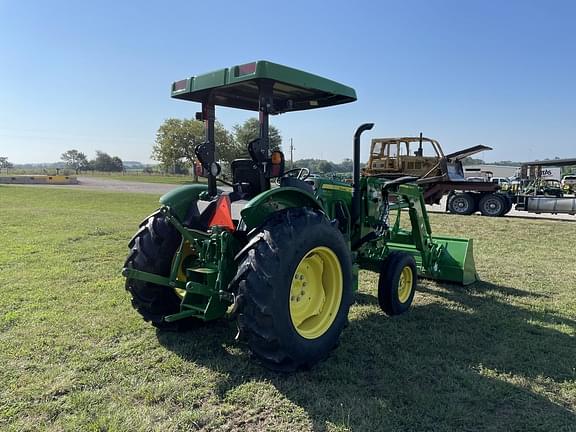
x=176, y=140
x=78, y=161
x=325, y=166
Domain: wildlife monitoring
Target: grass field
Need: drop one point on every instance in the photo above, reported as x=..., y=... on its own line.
x=499, y=355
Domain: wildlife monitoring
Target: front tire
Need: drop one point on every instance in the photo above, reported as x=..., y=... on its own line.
x=397, y=283
x=295, y=289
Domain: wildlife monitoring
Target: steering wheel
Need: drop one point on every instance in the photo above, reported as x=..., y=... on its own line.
x=301, y=173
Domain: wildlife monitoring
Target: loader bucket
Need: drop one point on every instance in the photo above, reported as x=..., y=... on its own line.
x=456, y=261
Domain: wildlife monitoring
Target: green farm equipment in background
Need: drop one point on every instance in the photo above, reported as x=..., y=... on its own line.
x=286, y=267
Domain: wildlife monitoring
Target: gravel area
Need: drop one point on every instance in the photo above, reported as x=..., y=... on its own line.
x=111, y=185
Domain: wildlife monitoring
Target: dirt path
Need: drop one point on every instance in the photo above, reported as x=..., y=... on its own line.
x=111, y=185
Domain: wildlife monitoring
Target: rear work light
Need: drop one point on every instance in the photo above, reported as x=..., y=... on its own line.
x=180, y=85
x=246, y=69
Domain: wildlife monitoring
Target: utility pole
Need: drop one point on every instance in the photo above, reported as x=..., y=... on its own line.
x=291, y=154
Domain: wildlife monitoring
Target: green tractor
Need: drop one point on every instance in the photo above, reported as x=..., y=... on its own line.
x=286, y=267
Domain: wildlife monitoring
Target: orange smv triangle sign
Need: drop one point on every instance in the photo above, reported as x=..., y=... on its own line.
x=223, y=214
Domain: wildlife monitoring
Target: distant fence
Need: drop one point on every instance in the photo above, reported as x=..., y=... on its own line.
x=38, y=179
x=71, y=172
x=134, y=172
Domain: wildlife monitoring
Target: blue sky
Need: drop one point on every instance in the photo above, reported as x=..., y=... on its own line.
x=96, y=75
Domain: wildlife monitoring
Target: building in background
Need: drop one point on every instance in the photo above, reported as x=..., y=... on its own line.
x=488, y=171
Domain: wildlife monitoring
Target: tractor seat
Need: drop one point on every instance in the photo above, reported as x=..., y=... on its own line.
x=246, y=178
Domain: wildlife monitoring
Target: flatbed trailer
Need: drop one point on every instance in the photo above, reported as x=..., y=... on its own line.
x=467, y=197
x=532, y=195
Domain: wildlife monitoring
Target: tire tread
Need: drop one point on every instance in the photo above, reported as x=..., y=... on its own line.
x=255, y=286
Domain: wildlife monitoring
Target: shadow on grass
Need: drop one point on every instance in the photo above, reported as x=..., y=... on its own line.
x=470, y=362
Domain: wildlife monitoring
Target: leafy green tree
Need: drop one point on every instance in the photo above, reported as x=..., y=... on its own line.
x=250, y=130
x=4, y=163
x=105, y=162
x=326, y=167
x=176, y=140
x=75, y=160
x=117, y=164
x=227, y=149
x=347, y=165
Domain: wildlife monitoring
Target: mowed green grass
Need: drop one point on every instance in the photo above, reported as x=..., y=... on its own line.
x=499, y=355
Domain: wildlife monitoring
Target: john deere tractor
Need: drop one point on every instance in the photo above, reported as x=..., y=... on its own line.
x=286, y=267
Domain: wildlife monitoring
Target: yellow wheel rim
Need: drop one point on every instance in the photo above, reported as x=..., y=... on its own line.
x=405, y=284
x=187, y=251
x=316, y=292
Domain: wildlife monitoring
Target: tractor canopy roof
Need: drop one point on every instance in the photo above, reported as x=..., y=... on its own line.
x=238, y=87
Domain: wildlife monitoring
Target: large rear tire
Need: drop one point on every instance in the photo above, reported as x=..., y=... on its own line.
x=152, y=250
x=295, y=289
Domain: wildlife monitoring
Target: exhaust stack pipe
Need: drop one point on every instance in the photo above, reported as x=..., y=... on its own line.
x=356, y=176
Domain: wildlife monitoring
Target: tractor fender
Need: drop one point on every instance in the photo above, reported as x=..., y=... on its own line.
x=264, y=205
x=180, y=199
